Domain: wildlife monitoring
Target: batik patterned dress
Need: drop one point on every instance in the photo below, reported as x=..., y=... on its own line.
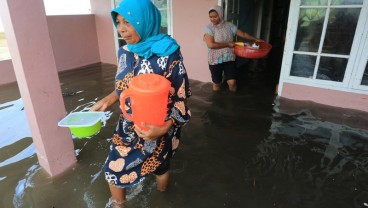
x=131, y=158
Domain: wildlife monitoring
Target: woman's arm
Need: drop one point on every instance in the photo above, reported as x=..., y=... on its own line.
x=210, y=41
x=105, y=102
x=247, y=36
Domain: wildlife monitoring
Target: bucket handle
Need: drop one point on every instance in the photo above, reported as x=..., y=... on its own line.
x=123, y=96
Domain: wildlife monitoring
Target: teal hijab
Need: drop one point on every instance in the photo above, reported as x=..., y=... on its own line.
x=144, y=16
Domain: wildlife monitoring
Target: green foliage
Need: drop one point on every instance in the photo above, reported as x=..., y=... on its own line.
x=307, y=16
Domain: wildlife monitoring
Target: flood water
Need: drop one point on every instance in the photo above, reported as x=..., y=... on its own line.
x=250, y=149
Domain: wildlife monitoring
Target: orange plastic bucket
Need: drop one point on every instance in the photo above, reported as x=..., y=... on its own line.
x=148, y=97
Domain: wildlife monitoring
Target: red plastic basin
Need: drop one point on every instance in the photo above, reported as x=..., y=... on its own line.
x=249, y=52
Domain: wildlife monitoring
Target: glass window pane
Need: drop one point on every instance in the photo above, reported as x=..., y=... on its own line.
x=162, y=6
x=309, y=29
x=160, y=3
x=332, y=69
x=346, y=2
x=303, y=66
x=365, y=76
x=121, y=40
x=340, y=30
x=117, y=2
x=314, y=2
x=163, y=28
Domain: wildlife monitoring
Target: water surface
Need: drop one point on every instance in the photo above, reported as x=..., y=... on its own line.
x=250, y=149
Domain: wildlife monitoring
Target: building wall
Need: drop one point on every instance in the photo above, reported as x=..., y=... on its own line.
x=346, y=93
x=189, y=19
x=7, y=72
x=326, y=96
x=74, y=42
x=105, y=30
x=80, y=40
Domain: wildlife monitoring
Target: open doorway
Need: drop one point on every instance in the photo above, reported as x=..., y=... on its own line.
x=266, y=19
x=277, y=34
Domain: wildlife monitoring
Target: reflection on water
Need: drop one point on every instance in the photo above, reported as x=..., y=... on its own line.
x=239, y=150
x=307, y=162
x=14, y=128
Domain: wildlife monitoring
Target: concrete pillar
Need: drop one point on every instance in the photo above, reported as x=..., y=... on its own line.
x=30, y=47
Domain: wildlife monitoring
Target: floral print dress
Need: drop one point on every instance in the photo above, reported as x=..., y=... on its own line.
x=222, y=33
x=131, y=158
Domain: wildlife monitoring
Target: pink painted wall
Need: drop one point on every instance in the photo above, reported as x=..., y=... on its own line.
x=74, y=40
x=74, y=43
x=105, y=32
x=189, y=19
x=7, y=74
x=326, y=96
x=80, y=40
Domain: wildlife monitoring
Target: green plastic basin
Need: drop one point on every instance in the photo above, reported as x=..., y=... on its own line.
x=88, y=131
x=83, y=124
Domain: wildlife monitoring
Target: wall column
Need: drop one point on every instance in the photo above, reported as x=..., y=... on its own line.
x=105, y=30
x=30, y=47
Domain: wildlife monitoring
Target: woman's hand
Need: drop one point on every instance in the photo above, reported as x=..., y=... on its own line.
x=231, y=44
x=105, y=102
x=153, y=131
x=258, y=40
x=101, y=105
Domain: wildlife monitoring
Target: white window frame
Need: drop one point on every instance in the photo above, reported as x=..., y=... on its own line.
x=356, y=79
x=354, y=58
x=169, y=16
